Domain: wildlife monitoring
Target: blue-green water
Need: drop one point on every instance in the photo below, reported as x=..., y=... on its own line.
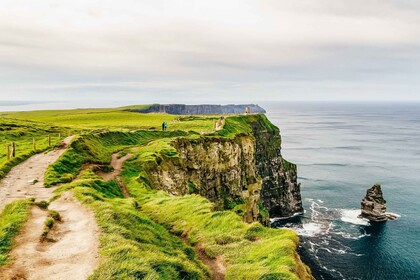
x=341, y=149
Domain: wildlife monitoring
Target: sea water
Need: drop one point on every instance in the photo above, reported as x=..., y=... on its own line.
x=341, y=149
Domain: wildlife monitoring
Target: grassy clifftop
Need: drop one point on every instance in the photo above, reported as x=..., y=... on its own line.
x=154, y=235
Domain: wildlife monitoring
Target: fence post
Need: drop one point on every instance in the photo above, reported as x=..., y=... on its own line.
x=34, y=143
x=59, y=136
x=13, y=149
x=49, y=140
x=8, y=152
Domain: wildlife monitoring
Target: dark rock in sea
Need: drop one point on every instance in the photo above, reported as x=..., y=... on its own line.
x=374, y=206
x=205, y=109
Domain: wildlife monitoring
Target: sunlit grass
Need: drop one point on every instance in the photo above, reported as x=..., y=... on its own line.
x=12, y=219
x=132, y=245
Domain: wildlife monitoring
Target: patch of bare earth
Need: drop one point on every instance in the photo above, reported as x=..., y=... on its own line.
x=216, y=265
x=117, y=164
x=27, y=179
x=71, y=251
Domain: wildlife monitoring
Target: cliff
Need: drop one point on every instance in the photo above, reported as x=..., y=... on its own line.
x=238, y=168
x=205, y=109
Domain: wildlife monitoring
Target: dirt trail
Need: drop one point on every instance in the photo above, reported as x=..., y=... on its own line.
x=117, y=164
x=72, y=255
x=216, y=265
x=74, y=252
x=27, y=179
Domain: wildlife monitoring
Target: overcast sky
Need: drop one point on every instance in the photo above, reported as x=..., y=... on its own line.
x=210, y=51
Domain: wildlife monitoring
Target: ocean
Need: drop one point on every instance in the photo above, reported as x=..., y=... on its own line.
x=341, y=149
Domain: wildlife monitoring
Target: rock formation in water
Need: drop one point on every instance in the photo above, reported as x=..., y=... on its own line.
x=374, y=206
x=205, y=109
x=246, y=173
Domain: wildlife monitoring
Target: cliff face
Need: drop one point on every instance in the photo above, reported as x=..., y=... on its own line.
x=280, y=191
x=205, y=109
x=246, y=173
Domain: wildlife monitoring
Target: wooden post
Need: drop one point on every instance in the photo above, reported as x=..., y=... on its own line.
x=49, y=140
x=13, y=149
x=34, y=143
x=8, y=152
x=59, y=136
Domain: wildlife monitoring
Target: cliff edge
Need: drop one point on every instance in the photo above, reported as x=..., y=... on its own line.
x=239, y=168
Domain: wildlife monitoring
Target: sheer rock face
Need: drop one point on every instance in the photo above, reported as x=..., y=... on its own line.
x=246, y=173
x=280, y=192
x=374, y=206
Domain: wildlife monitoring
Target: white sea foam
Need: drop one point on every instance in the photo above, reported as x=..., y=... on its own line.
x=309, y=229
x=352, y=216
x=393, y=214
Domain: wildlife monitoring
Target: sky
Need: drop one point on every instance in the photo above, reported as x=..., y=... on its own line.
x=209, y=51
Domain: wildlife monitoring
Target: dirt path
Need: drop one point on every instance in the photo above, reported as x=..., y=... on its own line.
x=117, y=164
x=73, y=254
x=216, y=265
x=27, y=179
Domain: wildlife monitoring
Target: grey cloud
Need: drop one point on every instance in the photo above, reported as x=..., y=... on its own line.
x=236, y=47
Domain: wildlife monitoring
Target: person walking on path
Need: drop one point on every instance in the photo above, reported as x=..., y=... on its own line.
x=164, y=126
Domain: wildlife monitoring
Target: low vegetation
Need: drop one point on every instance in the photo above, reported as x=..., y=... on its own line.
x=115, y=119
x=250, y=251
x=12, y=219
x=150, y=235
x=132, y=245
x=22, y=133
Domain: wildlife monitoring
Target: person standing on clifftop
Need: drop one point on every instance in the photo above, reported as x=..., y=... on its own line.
x=163, y=126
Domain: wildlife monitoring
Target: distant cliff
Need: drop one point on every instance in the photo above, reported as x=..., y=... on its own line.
x=240, y=168
x=205, y=109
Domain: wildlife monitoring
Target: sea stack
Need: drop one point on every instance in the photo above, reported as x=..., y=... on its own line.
x=374, y=206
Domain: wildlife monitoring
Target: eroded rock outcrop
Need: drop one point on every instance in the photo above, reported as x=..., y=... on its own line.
x=246, y=173
x=374, y=206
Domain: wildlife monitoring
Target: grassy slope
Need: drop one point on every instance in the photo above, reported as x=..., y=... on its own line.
x=22, y=132
x=132, y=245
x=12, y=219
x=97, y=148
x=251, y=251
x=114, y=119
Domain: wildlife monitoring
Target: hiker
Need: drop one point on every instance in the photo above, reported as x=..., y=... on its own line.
x=165, y=125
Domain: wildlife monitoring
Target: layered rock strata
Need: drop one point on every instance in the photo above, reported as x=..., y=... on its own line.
x=374, y=206
x=246, y=173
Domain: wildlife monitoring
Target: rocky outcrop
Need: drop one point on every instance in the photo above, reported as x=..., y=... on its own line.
x=246, y=173
x=205, y=109
x=374, y=206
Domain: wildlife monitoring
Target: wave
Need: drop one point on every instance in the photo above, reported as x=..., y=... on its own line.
x=352, y=216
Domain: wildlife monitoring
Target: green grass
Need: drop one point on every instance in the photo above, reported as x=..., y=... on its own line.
x=250, y=250
x=97, y=148
x=12, y=219
x=22, y=133
x=115, y=119
x=132, y=245
x=140, y=236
